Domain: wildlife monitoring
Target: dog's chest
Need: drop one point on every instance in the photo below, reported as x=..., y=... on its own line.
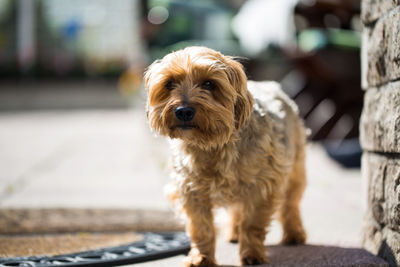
x=212, y=172
x=223, y=181
x=224, y=188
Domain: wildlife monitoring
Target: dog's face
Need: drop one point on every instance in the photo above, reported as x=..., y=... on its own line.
x=197, y=95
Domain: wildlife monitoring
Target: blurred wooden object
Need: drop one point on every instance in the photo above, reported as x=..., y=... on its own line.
x=330, y=96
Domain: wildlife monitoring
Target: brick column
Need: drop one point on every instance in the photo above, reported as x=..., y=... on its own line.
x=380, y=127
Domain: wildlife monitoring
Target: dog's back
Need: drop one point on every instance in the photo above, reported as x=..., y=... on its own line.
x=278, y=115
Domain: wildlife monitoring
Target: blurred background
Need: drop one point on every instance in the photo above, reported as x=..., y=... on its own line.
x=73, y=131
x=91, y=54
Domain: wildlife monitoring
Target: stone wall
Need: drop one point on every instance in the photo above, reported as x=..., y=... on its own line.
x=380, y=127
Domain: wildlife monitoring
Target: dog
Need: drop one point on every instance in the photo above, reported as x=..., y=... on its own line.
x=235, y=143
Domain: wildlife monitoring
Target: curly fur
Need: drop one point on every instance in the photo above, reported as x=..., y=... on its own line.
x=245, y=151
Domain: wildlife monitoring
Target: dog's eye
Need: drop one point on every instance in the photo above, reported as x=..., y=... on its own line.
x=170, y=85
x=208, y=85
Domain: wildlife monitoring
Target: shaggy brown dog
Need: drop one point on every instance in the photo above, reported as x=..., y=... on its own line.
x=236, y=143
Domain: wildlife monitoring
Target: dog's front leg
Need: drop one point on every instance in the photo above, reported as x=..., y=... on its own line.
x=200, y=227
x=252, y=230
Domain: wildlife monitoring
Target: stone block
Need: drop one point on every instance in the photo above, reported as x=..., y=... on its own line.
x=380, y=119
x=373, y=171
x=364, y=56
x=383, y=50
x=382, y=176
x=372, y=234
x=372, y=10
x=383, y=242
x=390, y=248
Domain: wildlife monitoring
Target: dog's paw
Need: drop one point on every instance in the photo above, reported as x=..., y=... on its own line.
x=233, y=237
x=296, y=238
x=199, y=260
x=253, y=259
x=233, y=240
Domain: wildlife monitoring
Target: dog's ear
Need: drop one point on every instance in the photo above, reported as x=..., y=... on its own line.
x=148, y=73
x=147, y=81
x=244, y=100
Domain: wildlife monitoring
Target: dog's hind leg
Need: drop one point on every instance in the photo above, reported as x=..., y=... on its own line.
x=235, y=217
x=290, y=218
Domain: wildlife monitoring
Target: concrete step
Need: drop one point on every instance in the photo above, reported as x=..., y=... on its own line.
x=66, y=94
x=286, y=256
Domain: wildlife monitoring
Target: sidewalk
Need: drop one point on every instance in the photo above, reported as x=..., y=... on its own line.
x=109, y=159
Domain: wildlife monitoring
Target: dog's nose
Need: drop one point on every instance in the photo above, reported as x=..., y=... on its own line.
x=185, y=113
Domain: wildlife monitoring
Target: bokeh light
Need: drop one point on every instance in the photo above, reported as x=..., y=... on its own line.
x=158, y=15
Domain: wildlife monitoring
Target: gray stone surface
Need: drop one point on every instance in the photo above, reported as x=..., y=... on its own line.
x=380, y=120
x=383, y=50
x=372, y=10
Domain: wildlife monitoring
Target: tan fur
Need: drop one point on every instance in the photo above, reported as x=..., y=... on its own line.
x=246, y=151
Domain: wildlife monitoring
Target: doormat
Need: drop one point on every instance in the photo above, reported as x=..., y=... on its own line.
x=28, y=232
